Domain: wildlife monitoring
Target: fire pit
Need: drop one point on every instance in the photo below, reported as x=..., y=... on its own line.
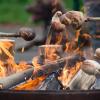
x=47, y=78
x=59, y=71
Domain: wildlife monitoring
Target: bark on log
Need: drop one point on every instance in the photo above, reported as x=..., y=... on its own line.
x=15, y=79
x=81, y=81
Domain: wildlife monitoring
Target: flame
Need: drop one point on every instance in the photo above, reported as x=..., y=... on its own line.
x=7, y=62
x=68, y=73
x=59, y=38
x=71, y=45
x=5, y=46
x=31, y=84
x=36, y=65
x=2, y=70
x=50, y=53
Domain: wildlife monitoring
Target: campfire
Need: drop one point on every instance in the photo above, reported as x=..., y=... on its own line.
x=53, y=64
x=58, y=65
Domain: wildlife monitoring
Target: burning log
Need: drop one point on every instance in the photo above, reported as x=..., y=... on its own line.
x=81, y=81
x=49, y=67
x=70, y=70
x=51, y=83
x=15, y=79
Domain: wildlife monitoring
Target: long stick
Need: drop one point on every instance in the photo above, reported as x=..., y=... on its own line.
x=93, y=19
x=49, y=35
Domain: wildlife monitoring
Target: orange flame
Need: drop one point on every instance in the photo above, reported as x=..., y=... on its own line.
x=7, y=62
x=68, y=74
x=31, y=84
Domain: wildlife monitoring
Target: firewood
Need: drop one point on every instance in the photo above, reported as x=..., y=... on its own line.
x=51, y=83
x=15, y=79
x=81, y=81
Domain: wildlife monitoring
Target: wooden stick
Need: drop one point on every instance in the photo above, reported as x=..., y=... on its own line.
x=49, y=35
x=93, y=19
x=25, y=33
x=14, y=79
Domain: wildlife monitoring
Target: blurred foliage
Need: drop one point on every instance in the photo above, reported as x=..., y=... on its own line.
x=13, y=11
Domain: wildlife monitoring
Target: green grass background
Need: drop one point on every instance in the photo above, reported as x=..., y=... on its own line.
x=13, y=11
